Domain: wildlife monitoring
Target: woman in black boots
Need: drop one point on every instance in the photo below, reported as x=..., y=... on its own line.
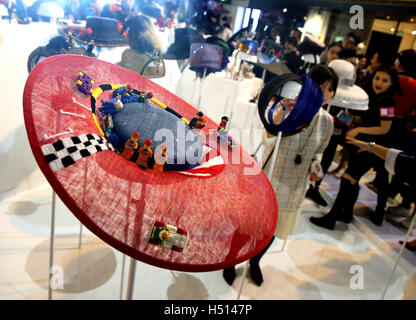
x=376, y=127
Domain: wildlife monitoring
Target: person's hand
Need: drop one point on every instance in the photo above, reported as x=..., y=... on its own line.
x=363, y=145
x=288, y=104
x=314, y=177
x=352, y=133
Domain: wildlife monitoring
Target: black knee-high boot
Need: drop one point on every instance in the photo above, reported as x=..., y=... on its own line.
x=229, y=275
x=342, y=209
x=255, y=271
x=382, y=194
x=351, y=196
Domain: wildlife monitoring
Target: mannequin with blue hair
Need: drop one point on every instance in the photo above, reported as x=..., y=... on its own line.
x=305, y=131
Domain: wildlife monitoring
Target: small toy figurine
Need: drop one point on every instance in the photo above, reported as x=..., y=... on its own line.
x=144, y=97
x=224, y=139
x=200, y=123
x=222, y=136
x=108, y=122
x=110, y=107
x=123, y=91
x=84, y=83
x=109, y=134
x=160, y=158
x=194, y=120
x=70, y=40
x=113, y=138
x=130, y=146
x=145, y=154
x=168, y=236
x=126, y=98
x=223, y=123
x=91, y=46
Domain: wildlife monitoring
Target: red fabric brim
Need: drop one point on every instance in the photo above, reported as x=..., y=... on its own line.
x=230, y=217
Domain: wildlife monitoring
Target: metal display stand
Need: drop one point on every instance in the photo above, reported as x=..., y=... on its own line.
x=51, y=251
x=132, y=276
x=122, y=276
x=200, y=89
x=409, y=231
x=52, y=243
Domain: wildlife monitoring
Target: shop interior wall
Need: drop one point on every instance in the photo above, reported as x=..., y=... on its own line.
x=339, y=26
x=19, y=170
x=233, y=8
x=404, y=30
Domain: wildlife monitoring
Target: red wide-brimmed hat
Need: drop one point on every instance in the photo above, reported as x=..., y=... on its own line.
x=223, y=218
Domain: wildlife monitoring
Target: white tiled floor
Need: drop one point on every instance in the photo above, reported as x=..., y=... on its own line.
x=316, y=264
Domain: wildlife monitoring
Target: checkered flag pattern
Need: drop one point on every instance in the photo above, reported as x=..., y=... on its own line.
x=64, y=153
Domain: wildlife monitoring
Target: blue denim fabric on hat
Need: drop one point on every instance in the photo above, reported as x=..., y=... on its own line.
x=184, y=147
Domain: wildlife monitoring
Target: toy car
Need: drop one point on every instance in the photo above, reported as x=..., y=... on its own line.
x=168, y=236
x=84, y=83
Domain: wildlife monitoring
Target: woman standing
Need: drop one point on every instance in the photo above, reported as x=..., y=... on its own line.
x=375, y=127
x=292, y=171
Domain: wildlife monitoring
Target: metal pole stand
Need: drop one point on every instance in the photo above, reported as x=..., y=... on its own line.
x=237, y=89
x=51, y=249
x=52, y=243
x=122, y=276
x=400, y=255
x=243, y=280
x=132, y=275
x=80, y=236
x=263, y=77
x=200, y=89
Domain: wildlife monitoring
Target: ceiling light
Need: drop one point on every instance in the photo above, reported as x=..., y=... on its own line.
x=414, y=32
x=392, y=29
x=412, y=20
x=285, y=10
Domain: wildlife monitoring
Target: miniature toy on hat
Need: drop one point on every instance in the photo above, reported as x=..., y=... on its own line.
x=109, y=133
x=130, y=146
x=168, y=236
x=223, y=123
x=91, y=46
x=194, y=120
x=201, y=122
x=225, y=140
x=110, y=107
x=84, y=83
x=144, y=97
x=70, y=40
x=145, y=154
x=160, y=158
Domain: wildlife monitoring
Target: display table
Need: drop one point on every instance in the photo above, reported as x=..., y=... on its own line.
x=227, y=221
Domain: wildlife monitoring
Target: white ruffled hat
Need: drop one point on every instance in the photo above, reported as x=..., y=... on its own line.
x=348, y=95
x=51, y=10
